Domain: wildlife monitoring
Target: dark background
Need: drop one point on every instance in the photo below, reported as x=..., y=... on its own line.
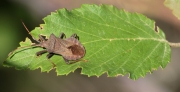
x=32, y=12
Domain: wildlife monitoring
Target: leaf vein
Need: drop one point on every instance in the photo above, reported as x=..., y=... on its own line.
x=128, y=22
x=147, y=57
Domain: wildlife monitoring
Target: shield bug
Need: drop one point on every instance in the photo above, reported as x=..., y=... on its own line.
x=69, y=48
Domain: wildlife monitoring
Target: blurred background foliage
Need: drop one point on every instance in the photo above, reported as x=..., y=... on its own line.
x=31, y=13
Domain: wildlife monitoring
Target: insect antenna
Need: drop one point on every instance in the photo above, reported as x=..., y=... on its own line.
x=19, y=49
x=24, y=47
x=29, y=32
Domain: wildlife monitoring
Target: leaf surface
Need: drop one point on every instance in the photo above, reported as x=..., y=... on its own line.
x=117, y=43
x=174, y=5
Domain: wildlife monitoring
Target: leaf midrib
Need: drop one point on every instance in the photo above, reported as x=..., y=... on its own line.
x=127, y=39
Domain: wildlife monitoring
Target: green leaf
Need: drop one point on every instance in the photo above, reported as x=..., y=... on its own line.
x=117, y=43
x=174, y=5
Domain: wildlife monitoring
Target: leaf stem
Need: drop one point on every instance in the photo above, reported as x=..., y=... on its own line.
x=174, y=44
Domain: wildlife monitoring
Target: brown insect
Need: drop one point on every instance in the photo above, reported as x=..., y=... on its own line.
x=69, y=48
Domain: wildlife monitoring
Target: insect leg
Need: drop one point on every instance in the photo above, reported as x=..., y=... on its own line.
x=41, y=52
x=75, y=36
x=49, y=56
x=62, y=35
